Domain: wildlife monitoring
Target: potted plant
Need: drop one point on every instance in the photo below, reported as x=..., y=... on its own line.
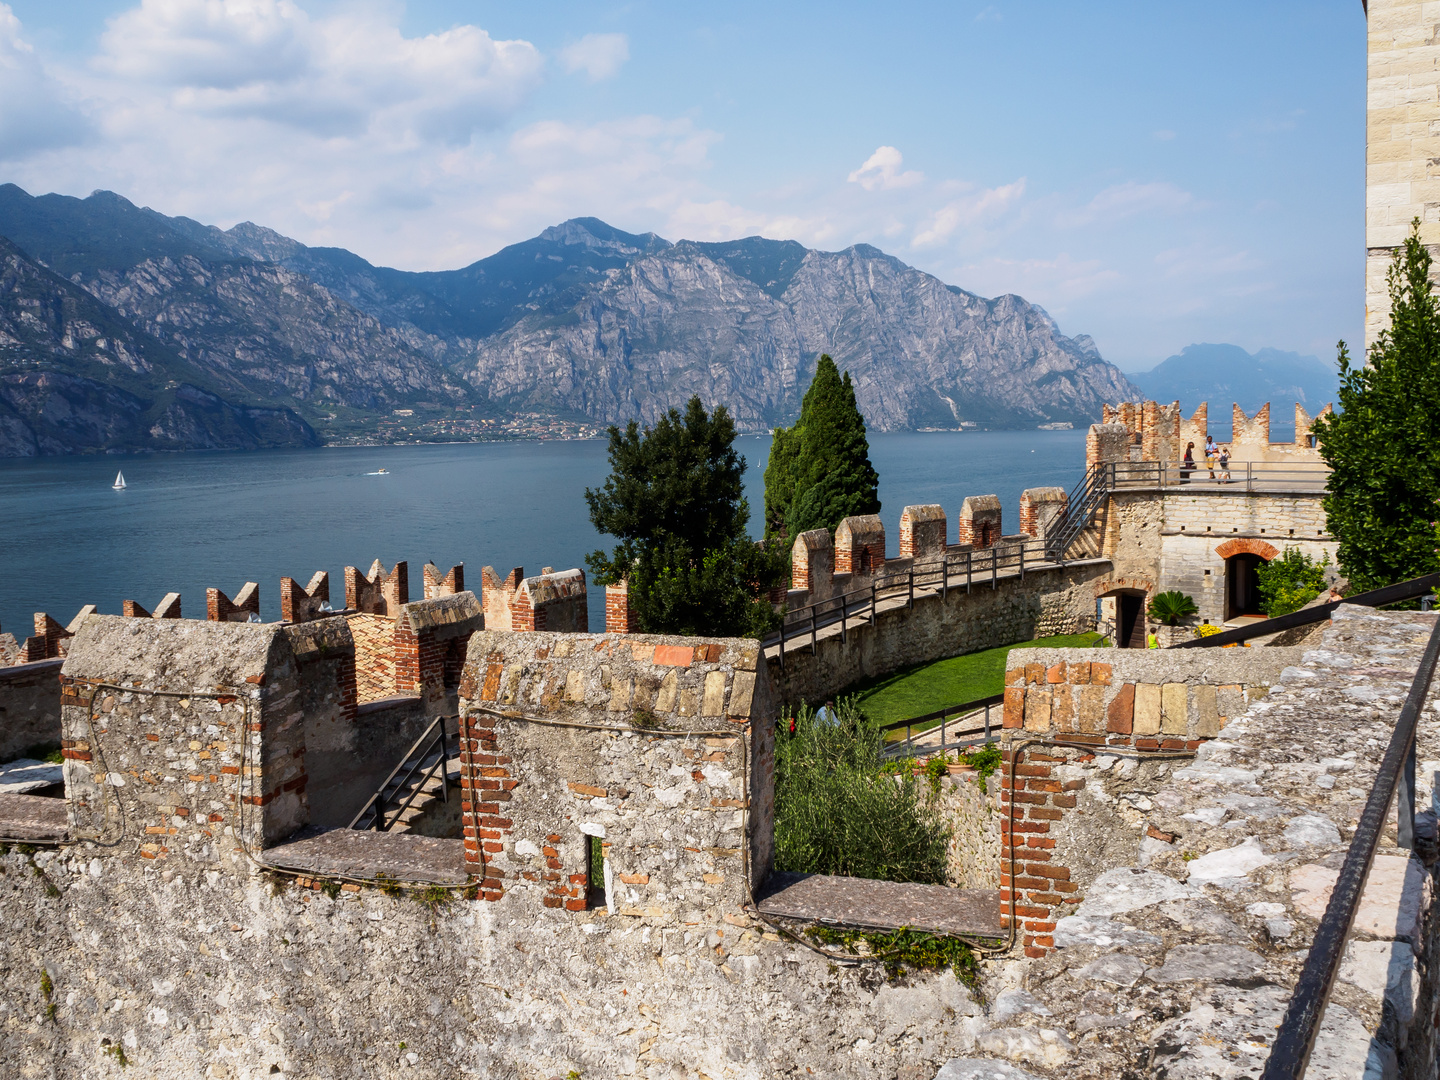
x=960, y=765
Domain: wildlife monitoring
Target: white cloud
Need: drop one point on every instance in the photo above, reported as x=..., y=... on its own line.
x=33, y=112
x=1128, y=199
x=881, y=172
x=598, y=55
x=339, y=76
x=974, y=209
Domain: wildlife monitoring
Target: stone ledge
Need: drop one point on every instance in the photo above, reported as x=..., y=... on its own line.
x=33, y=819
x=365, y=856
x=882, y=905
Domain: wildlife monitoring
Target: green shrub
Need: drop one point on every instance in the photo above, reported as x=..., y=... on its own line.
x=841, y=809
x=1172, y=607
x=1290, y=581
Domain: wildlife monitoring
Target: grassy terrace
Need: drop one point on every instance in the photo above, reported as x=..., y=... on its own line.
x=930, y=687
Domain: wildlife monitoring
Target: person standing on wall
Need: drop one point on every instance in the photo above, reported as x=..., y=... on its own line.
x=1188, y=465
x=1210, y=449
x=1225, y=465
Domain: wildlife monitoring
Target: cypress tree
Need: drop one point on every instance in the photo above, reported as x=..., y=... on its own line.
x=819, y=471
x=1382, y=446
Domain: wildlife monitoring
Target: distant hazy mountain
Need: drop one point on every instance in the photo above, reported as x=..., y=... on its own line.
x=1226, y=374
x=582, y=320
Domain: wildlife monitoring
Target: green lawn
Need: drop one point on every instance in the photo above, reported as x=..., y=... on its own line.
x=930, y=687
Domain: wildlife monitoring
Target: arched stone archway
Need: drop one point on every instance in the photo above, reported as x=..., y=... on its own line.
x=1242, y=580
x=1231, y=548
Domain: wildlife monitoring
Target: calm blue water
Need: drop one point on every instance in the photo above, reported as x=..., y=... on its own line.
x=191, y=521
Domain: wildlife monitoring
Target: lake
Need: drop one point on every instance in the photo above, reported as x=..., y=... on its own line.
x=196, y=520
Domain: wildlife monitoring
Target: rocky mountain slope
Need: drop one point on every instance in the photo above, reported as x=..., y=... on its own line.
x=584, y=320
x=76, y=375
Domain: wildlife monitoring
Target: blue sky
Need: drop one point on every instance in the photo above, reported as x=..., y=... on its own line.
x=1152, y=174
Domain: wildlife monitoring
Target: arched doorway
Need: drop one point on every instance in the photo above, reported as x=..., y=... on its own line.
x=1243, y=559
x=1242, y=585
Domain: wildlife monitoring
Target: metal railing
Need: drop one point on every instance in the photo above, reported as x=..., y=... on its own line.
x=1390, y=594
x=1290, y=1053
x=1237, y=476
x=429, y=754
x=956, y=570
x=1085, y=499
x=949, y=720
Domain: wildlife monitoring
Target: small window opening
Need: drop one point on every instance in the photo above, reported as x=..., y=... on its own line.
x=1311, y=441
x=594, y=872
x=1207, y=574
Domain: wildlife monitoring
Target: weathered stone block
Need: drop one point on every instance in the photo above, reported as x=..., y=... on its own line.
x=1100, y=674
x=1062, y=708
x=1035, y=673
x=1015, y=676
x=1121, y=715
x=1037, y=710
x=714, y=701
x=1175, y=709
x=1055, y=673
x=1090, y=709
x=574, y=685
x=665, y=700
x=1147, y=709
x=1078, y=674
x=1014, y=707
x=1207, y=712
x=742, y=692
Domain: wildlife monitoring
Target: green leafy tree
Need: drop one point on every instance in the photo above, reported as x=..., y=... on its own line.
x=1382, y=446
x=1172, y=608
x=1290, y=581
x=819, y=471
x=674, y=499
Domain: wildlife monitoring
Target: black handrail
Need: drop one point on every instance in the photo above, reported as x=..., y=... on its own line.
x=422, y=748
x=1390, y=594
x=1290, y=1053
x=908, y=743
x=1084, y=500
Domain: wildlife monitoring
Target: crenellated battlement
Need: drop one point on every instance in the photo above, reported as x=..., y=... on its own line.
x=1149, y=431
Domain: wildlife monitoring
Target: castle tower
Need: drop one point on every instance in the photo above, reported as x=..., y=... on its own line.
x=1402, y=139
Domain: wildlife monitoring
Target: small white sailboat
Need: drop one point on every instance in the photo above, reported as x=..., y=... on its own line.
x=119, y=484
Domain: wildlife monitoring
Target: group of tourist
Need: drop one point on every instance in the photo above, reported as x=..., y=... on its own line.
x=1215, y=457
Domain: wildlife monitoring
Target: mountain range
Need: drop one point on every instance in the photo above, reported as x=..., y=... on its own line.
x=1226, y=374
x=122, y=328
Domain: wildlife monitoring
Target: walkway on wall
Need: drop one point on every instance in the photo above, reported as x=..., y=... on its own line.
x=836, y=618
x=882, y=905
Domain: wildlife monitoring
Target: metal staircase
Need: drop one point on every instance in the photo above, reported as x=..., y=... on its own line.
x=1086, y=499
x=426, y=775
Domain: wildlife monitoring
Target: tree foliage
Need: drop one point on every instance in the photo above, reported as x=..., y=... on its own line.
x=1290, y=581
x=840, y=810
x=819, y=471
x=675, y=501
x=1382, y=446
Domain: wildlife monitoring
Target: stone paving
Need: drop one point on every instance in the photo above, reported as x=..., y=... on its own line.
x=1181, y=966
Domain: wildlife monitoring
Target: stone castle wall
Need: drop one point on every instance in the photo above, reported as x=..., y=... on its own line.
x=1402, y=142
